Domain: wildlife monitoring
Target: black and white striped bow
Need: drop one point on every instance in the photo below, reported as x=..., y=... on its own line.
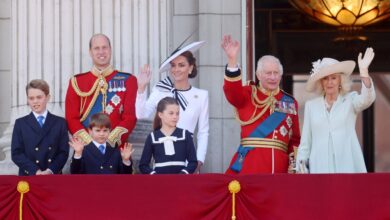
x=168, y=85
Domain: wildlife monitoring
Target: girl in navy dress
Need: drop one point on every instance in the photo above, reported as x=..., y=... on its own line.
x=172, y=148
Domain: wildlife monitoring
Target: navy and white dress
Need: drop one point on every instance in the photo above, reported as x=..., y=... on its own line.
x=194, y=110
x=171, y=154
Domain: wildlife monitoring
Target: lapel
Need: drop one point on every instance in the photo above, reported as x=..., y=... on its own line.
x=39, y=132
x=97, y=154
x=33, y=123
x=94, y=151
x=49, y=123
x=109, y=151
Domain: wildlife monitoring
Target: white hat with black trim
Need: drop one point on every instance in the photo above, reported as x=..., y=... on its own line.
x=193, y=47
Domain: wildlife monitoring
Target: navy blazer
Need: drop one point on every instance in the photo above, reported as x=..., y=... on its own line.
x=93, y=161
x=37, y=148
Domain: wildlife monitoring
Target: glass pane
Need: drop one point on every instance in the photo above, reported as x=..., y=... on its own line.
x=334, y=6
x=371, y=15
x=353, y=6
x=346, y=17
x=326, y=19
x=381, y=18
x=368, y=5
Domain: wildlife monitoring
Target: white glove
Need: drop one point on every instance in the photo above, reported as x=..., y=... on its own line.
x=365, y=62
x=302, y=166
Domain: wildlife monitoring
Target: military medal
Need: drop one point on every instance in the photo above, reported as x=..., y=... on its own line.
x=109, y=109
x=123, y=86
x=115, y=89
x=116, y=100
x=285, y=107
x=120, y=86
x=110, y=87
x=289, y=121
x=283, y=130
x=292, y=109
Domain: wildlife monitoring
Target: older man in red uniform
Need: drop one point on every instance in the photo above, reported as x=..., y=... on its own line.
x=268, y=116
x=102, y=89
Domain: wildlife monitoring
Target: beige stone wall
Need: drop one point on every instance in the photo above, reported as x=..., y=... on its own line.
x=213, y=19
x=5, y=63
x=141, y=31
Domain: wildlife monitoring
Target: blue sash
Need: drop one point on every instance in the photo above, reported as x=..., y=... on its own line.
x=261, y=131
x=118, y=80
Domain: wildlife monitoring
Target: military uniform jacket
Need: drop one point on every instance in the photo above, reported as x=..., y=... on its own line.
x=113, y=94
x=93, y=161
x=170, y=153
x=262, y=159
x=38, y=148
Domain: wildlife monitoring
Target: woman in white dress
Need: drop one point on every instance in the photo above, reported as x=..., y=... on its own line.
x=329, y=143
x=194, y=102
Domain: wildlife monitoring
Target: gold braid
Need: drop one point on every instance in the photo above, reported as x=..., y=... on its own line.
x=79, y=92
x=99, y=82
x=268, y=103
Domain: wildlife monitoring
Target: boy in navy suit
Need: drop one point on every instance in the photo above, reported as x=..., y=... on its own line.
x=99, y=157
x=40, y=139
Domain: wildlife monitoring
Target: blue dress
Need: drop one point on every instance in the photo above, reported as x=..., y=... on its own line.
x=172, y=154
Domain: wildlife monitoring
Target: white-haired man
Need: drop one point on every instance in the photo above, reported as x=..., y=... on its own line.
x=268, y=116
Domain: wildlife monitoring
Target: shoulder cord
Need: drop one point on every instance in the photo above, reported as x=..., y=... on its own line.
x=268, y=103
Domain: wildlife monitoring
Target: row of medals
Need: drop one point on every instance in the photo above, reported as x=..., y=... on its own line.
x=116, y=86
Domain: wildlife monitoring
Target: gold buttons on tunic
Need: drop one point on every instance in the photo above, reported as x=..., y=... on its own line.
x=49, y=160
x=101, y=167
x=37, y=161
x=36, y=149
x=110, y=167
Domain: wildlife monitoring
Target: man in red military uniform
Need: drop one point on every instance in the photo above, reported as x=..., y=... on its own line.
x=268, y=116
x=102, y=89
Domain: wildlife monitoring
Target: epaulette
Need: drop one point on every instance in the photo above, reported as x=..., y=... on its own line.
x=79, y=74
x=288, y=94
x=124, y=73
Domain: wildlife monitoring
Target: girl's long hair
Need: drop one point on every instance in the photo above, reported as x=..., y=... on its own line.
x=161, y=106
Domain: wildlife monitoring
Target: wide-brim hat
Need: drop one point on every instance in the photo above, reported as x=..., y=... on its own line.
x=328, y=66
x=193, y=47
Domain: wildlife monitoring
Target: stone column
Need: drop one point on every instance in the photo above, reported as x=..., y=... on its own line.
x=50, y=42
x=217, y=18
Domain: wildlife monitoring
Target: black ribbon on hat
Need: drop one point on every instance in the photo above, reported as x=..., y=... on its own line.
x=168, y=85
x=180, y=46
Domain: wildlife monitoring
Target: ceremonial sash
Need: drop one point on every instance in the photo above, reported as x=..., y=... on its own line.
x=116, y=84
x=261, y=131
